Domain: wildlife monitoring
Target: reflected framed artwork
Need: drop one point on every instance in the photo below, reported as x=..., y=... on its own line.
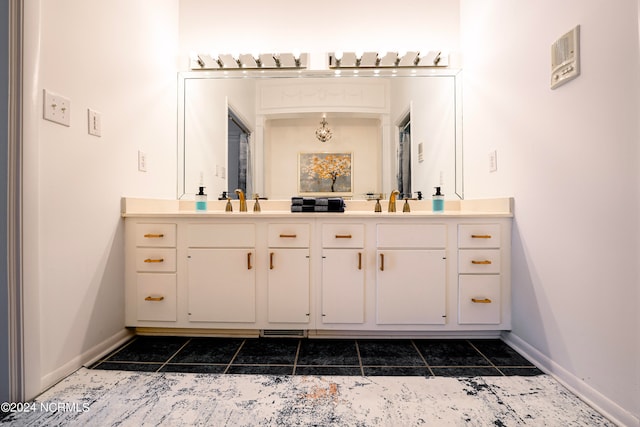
x=329, y=174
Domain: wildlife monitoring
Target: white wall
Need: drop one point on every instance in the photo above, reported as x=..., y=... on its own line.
x=206, y=112
x=246, y=26
x=118, y=57
x=570, y=158
x=432, y=125
x=286, y=138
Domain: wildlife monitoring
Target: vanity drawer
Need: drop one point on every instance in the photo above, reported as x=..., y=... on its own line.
x=156, y=259
x=479, y=299
x=479, y=261
x=288, y=235
x=432, y=236
x=223, y=235
x=156, y=297
x=343, y=236
x=479, y=235
x=156, y=235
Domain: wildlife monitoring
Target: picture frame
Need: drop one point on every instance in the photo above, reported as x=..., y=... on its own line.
x=325, y=174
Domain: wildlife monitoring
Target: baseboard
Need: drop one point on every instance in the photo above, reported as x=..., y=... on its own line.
x=85, y=359
x=584, y=391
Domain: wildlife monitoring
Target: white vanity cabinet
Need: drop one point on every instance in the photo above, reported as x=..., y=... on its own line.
x=288, y=276
x=220, y=276
x=480, y=294
x=151, y=267
x=343, y=274
x=357, y=273
x=411, y=274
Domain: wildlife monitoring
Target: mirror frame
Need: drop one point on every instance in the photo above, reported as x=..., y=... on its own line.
x=184, y=76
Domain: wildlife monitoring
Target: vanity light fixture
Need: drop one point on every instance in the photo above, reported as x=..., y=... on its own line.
x=323, y=133
x=204, y=61
x=248, y=61
x=228, y=61
x=369, y=59
x=388, y=60
x=286, y=60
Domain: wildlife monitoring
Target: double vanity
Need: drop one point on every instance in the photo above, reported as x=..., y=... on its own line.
x=357, y=273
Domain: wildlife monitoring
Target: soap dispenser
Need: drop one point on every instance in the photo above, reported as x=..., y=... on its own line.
x=438, y=201
x=201, y=200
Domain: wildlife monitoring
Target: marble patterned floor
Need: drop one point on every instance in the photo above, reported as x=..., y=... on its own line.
x=94, y=397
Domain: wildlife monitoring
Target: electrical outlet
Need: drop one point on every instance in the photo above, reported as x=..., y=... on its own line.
x=142, y=161
x=95, y=122
x=57, y=108
x=493, y=161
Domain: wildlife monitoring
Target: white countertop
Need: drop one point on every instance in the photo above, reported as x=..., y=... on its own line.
x=160, y=208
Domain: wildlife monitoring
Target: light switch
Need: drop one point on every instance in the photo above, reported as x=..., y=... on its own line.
x=142, y=161
x=57, y=108
x=95, y=122
x=493, y=161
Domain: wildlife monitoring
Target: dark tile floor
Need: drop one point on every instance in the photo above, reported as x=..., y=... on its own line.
x=292, y=356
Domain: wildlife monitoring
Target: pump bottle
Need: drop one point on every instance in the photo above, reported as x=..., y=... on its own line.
x=438, y=201
x=201, y=200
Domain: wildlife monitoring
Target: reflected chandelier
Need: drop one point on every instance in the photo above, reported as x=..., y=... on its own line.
x=323, y=133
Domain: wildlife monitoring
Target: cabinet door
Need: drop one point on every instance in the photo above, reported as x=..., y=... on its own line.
x=288, y=289
x=343, y=286
x=411, y=287
x=221, y=285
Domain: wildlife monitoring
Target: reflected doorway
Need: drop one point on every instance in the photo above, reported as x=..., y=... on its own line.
x=403, y=154
x=239, y=160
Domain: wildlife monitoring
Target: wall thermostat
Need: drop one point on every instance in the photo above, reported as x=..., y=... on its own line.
x=565, y=58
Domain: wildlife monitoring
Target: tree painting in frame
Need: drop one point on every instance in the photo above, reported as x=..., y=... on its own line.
x=328, y=174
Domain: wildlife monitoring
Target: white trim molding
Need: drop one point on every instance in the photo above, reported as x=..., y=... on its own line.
x=584, y=391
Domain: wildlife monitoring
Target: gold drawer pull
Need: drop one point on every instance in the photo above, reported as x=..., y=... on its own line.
x=481, y=236
x=381, y=262
x=154, y=236
x=343, y=236
x=271, y=261
x=149, y=260
x=359, y=260
x=481, y=301
x=485, y=262
x=288, y=236
x=249, y=266
x=155, y=299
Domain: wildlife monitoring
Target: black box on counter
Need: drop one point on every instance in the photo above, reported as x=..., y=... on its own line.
x=320, y=204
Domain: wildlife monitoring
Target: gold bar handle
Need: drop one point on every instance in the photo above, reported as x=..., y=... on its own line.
x=481, y=301
x=155, y=299
x=154, y=236
x=271, y=261
x=485, y=262
x=343, y=236
x=481, y=236
x=149, y=260
x=288, y=236
x=249, y=266
x=359, y=260
x=381, y=262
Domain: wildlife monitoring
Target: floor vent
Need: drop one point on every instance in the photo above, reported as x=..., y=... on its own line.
x=283, y=333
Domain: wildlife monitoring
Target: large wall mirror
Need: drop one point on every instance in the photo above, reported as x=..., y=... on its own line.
x=257, y=130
